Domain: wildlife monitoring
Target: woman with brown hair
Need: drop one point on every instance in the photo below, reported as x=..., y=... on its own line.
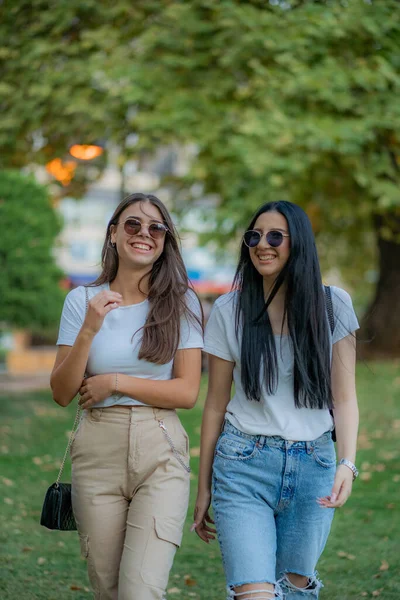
x=136, y=333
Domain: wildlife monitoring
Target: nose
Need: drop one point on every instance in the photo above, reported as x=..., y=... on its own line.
x=263, y=243
x=144, y=230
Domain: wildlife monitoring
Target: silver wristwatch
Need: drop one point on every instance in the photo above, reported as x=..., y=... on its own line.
x=350, y=465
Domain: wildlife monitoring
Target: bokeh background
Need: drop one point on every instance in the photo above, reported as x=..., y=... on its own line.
x=216, y=107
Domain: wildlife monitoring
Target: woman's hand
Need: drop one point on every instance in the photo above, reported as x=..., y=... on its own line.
x=96, y=388
x=341, y=489
x=99, y=306
x=202, y=518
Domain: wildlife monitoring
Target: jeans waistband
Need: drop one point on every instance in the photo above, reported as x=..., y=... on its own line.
x=277, y=441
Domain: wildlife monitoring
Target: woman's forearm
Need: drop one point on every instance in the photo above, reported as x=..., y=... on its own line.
x=66, y=378
x=346, y=425
x=171, y=393
x=210, y=430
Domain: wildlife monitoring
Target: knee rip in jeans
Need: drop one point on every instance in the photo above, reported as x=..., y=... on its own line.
x=312, y=588
x=256, y=594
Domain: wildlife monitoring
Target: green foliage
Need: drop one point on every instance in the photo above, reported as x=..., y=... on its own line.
x=299, y=104
x=284, y=99
x=30, y=293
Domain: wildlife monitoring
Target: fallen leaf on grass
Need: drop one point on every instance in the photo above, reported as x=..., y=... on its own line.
x=41, y=560
x=366, y=476
x=377, y=592
x=27, y=549
x=364, y=442
x=188, y=579
x=384, y=566
x=37, y=460
x=9, y=501
x=388, y=455
x=391, y=505
x=75, y=588
x=195, y=452
x=396, y=478
x=343, y=554
x=379, y=467
x=396, y=424
x=174, y=591
x=7, y=482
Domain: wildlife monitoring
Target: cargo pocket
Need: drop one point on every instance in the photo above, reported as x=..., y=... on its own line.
x=84, y=542
x=163, y=540
x=85, y=553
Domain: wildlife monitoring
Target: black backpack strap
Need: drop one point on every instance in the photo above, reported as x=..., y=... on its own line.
x=329, y=310
x=329, y=307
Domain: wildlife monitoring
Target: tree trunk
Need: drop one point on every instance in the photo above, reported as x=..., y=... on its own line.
x=380, y=327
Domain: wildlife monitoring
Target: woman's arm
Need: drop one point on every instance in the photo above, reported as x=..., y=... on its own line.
x=179, y=392
x=218, y=397
x=345, y=414
x=70, y=364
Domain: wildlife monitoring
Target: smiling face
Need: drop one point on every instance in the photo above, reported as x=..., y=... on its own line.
x=139, y=250
x=270, y=261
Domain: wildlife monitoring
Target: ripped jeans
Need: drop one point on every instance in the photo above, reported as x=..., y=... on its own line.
x=266, y=514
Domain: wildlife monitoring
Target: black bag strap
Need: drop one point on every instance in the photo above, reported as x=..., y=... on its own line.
x=331, y=318
x=329, y=307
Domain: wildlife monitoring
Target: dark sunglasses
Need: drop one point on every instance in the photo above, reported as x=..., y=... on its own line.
x=156, y=230
x=274, y=238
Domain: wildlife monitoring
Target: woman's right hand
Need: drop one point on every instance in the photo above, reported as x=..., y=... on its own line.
x=99, y=306
x=202, y=518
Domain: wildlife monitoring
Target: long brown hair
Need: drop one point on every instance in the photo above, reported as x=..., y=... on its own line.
x=168, y=286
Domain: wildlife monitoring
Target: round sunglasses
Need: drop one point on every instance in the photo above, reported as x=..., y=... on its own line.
x=156, y=230
x=274, y=238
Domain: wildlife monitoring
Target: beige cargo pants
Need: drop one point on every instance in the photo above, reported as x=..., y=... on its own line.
x=130, y=496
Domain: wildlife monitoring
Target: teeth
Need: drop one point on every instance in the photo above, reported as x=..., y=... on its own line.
x=141, y=246
x=268, y=257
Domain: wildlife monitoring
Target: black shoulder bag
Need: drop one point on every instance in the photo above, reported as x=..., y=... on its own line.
x=57, y=506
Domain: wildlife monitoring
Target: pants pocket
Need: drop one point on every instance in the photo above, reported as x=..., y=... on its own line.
x=163, y=540
x=85, y=553
x=84, y=543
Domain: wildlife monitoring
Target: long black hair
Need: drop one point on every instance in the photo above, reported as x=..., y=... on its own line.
x=304, y=310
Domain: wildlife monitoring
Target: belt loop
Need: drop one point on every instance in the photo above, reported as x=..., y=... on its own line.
x=309, y=446
x=261, y=441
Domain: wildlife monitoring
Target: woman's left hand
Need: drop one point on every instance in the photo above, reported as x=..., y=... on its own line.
x=341, y=489
x=94, y=389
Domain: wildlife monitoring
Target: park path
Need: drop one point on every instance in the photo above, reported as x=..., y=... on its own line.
x=29, y=383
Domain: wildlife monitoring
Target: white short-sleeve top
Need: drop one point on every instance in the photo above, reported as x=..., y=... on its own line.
x=274, y=415
x=115, y=348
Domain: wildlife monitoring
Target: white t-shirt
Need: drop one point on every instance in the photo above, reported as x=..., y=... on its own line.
x=116, y=346
x=274, y=414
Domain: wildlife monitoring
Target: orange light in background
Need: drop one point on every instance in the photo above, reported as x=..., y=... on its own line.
x=85, y=151
x=63, y=171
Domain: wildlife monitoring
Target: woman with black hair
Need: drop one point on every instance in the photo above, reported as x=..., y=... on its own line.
x=137, y=334
x=271, y=471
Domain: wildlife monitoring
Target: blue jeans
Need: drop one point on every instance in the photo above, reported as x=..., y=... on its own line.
x=265, y=492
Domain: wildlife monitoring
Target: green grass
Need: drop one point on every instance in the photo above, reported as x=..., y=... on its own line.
x=362, y=559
